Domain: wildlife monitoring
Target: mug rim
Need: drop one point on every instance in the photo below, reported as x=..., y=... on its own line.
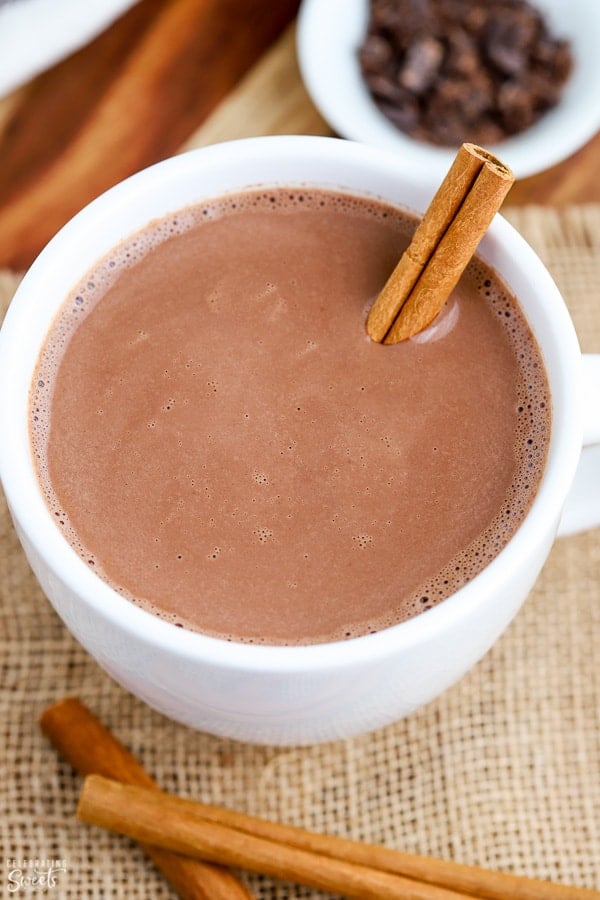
x=17, y=470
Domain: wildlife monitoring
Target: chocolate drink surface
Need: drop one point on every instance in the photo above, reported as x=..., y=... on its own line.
x=218, y=437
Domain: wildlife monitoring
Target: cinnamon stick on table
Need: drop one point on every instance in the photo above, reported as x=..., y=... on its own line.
x=442, y=245
x=293, y=854
x=90, y=747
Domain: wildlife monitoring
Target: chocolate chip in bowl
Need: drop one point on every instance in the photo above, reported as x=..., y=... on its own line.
x=445, y=71
x=423, y=76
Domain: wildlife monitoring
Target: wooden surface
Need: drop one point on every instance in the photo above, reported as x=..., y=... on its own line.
x=171, y=74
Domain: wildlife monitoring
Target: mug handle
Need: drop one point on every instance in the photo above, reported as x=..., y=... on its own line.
x=582, y=508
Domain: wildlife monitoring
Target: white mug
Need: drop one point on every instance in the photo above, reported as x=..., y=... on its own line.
x=290, y=695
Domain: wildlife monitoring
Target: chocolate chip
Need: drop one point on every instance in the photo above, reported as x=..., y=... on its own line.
x=421, y=65
x=375, y=54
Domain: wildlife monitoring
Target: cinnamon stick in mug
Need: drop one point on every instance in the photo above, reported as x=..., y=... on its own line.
x=442, y=245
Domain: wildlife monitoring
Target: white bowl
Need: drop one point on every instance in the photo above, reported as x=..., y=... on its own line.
x=330, y=33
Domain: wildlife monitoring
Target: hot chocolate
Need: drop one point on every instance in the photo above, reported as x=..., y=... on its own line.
x=218, y=437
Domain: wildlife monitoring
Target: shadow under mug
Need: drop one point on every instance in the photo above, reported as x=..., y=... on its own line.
x=291, y=695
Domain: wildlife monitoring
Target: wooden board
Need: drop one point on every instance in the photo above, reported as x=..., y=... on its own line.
x=128, y=99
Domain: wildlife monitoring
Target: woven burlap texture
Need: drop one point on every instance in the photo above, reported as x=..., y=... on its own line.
x=503, y=770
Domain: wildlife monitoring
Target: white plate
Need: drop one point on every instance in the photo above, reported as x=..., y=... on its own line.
x=36, y=34
x=331, y=31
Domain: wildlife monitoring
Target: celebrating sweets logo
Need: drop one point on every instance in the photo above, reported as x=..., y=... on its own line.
x=34, y=874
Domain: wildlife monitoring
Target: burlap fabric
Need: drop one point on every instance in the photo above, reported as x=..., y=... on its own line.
x=502, y=771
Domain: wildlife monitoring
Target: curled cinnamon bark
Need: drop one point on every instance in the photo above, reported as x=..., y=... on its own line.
x=445, y=240
x=91, y=748
x=325, y=862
